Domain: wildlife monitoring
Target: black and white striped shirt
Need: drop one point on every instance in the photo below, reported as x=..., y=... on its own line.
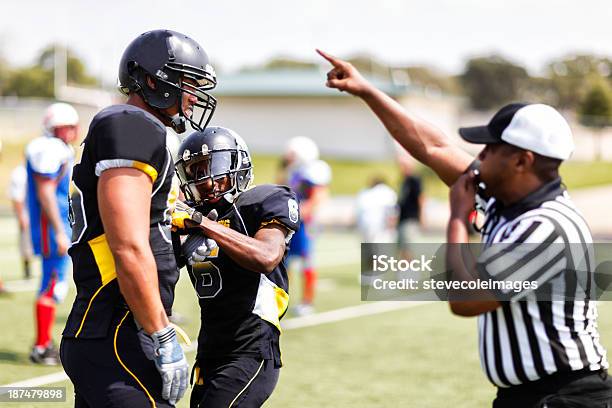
x=524, y=340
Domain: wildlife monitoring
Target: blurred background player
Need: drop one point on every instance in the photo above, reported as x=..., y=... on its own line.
x=309, y=178
x=376, y=213
x=17, y=194
x=49, y=161
x=410, y=203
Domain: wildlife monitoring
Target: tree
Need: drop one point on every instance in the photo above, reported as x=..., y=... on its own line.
x=595, y=110
x=37, y=80
x=76, y=71
x=288, y=63
x=492, y=81
x=28, y=82
x=571, y=78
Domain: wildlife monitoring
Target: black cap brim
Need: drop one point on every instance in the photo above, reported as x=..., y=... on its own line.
x=478, y=135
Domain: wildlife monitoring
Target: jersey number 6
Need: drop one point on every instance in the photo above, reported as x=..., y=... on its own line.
x=206, y=279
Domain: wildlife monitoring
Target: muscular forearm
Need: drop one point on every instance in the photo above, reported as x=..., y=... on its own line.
x=422, y=140
x=250, y=253
x=137, y=278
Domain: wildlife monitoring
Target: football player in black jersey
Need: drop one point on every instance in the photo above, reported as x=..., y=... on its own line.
x=241, y=284
x=119, y=348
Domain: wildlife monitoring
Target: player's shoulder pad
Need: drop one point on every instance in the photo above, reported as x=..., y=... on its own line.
x=271, y=203
x=46, y=154
x=119, y=120
x=258, y=194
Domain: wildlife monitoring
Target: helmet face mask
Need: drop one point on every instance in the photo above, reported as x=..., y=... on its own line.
x=211, y=175
x=163, y=65
x=213, y=164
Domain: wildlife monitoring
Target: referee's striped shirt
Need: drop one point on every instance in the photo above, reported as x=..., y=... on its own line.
x=524, y=340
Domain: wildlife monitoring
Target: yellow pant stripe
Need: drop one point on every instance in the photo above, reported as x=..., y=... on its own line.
x=124, y=366
x=87, y=311
x=247, y=385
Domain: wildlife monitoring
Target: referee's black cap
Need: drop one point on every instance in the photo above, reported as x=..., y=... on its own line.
x=491, y=133
x=536, y=127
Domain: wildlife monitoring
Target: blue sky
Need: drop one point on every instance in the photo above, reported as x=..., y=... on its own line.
x=441, y=33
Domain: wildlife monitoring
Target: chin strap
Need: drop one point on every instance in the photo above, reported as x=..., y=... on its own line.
x=177, y=122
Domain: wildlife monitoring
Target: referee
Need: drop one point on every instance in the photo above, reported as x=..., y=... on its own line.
x=538, y=354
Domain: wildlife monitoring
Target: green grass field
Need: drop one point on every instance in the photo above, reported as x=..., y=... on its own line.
x=415, y=357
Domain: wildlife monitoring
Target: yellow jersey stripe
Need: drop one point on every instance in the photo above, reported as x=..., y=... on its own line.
x=106, y=267
x=145, y=168
x=104, y=258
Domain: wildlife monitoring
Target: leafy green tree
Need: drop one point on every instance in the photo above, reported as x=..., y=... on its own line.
x=29, y=82
x=38, y=79
x=571, y=78
x=76, y=71
x=489, y=82
x=595, y=110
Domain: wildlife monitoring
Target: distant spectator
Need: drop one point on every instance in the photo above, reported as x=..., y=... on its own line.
x=376, y=213
x=410, y=205
x=17, y=194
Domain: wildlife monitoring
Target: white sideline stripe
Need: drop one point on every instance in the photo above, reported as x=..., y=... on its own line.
x=332, y=316
x=346, y=313
x=38, y=381
x=22, y=285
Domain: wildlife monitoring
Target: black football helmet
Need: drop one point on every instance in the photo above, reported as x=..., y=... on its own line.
x=208, y=156
x=168, y=57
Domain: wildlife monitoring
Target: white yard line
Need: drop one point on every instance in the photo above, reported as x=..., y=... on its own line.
x=316, y=319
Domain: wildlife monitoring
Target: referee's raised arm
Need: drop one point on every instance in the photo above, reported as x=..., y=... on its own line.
x=421, y=139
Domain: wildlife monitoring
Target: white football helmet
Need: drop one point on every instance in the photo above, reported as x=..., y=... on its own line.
x=301, y=150
x=60, y=114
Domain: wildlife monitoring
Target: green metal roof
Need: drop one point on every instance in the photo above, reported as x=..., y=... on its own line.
x=289, y=82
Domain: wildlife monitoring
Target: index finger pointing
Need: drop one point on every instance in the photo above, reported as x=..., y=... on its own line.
x=330, y=58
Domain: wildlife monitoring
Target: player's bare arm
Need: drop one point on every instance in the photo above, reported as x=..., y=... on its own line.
x=462, y=203
x=122, y=194
x=45, y=189
x=422, y=140
x=260, y=253
x=19, y=209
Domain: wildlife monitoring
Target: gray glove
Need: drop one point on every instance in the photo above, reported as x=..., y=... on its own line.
x=164, y=349
x=197, y=248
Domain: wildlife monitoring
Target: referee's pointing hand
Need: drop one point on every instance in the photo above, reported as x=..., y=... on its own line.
x=344, y=76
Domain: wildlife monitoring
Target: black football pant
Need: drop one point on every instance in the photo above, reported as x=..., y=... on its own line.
x=113, y=371
x=243, y=381
x=582, y=389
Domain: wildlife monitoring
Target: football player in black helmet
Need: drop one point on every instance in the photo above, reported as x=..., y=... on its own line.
x=237, y=269
x=162, y=67
x=119, y=348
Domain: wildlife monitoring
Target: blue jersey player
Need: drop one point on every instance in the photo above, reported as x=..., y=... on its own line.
x=49, y=161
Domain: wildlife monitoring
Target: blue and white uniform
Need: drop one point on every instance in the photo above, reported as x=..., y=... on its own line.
x=51, y=158
x=302, y=181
